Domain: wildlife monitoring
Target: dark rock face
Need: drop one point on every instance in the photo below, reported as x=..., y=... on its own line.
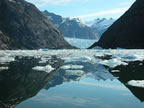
x=127, y=31
x=28, y=27
x=72, y=28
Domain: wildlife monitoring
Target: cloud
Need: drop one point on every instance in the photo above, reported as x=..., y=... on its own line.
x=103, y=13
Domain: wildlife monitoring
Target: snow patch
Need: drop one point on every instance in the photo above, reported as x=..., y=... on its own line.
x=50, y=17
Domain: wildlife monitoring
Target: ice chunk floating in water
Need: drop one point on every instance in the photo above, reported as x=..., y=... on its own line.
x=47, y=68
x=136, y=83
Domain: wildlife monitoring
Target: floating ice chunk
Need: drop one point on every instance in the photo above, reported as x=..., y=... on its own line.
x=136, y=83
x=72, y=67
x=44, y=60
x=115, y=71
x=113, y=62
x=6, y=59
x=50, y=17
x=74, y=72
x=4, y=68
x=47, y=68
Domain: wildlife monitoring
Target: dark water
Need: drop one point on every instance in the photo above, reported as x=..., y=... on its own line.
x=95, y=87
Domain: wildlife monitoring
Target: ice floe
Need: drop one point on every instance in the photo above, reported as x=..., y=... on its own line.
x=119, y=57
x=47, y=68
x=4, y=68
x=136, y=83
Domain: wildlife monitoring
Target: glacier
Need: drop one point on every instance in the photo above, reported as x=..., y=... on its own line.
x=80, y=43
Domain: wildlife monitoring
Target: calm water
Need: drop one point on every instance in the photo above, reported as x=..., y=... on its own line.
x=74, y=79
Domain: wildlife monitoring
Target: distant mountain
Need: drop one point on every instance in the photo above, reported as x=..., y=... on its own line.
x=100, y=25
x=23, y=26
x=72, y=28
x=127, y=31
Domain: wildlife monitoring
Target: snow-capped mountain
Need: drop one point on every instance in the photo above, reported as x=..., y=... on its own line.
x=73, y=28
x=100, y=25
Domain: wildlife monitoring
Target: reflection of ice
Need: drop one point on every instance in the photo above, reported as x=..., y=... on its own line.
x=74, y=72
x=72, y=67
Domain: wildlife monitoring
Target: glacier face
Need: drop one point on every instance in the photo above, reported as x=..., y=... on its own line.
x=80, y=43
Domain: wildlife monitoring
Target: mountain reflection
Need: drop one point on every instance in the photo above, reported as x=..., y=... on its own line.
x=132, y=71
x=20, y=82
x=94, y=71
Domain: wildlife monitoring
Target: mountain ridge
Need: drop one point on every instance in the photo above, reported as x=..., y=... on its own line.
x=72, y=27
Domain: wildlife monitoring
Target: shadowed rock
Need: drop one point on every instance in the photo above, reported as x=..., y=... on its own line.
x=21, y=82
x=27, y=27
x=127, y=31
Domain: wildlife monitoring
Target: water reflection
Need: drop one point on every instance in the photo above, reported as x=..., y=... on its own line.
x=19, y=82
x=72, y=84
x=133, y=71
x=76, y=71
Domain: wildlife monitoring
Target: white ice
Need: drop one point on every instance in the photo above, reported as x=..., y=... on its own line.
x=136, y=83
x=47, y=68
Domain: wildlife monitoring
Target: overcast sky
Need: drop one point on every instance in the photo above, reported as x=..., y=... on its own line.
x=85, y=9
